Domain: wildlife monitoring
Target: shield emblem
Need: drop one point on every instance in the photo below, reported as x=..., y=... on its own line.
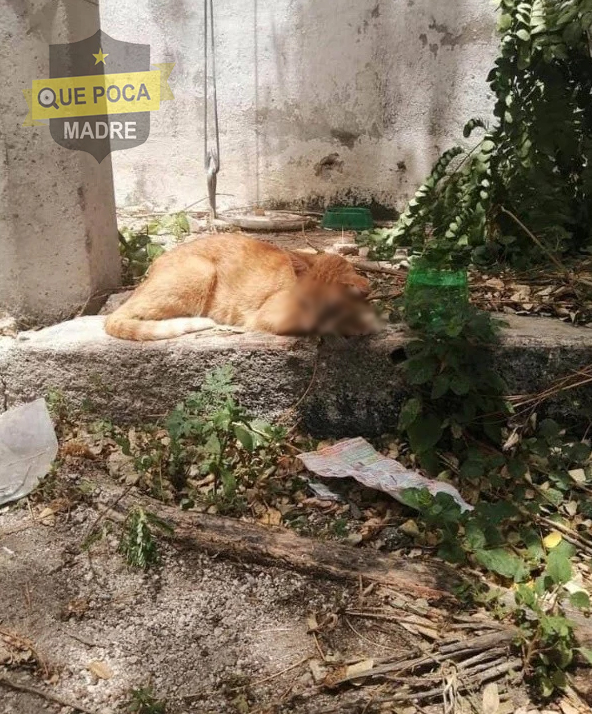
x=99, y=54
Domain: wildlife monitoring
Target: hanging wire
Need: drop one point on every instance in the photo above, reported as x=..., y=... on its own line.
x=211, y=156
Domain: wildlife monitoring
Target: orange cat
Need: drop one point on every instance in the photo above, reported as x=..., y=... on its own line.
x=232, y=280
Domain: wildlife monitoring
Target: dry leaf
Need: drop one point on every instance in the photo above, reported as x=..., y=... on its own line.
x=271, y=517
x=578, y=475
x=311, y=623
x=409, y=528
x=552, y=540
x=359, y=669
x=77, y=448
x=571, y=507
x=318, y=671
x=491, y=701
x=567, y=708
x=100, y=669
x=495, y=283
x=47, y=517
x=354, y=538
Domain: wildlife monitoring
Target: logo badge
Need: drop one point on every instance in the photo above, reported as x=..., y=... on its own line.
x=99, y=94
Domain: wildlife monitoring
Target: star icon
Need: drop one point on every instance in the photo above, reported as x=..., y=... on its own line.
x=100, y=57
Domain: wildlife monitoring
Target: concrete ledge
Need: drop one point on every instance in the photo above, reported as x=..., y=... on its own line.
x=357, y=389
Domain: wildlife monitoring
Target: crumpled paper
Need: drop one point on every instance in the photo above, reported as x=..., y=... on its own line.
x=356, y=458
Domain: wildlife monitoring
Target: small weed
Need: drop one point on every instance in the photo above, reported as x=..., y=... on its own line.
x=138, y=543
x=210, y=449
x=60, y=410
x=96, y=535
x=138, y=249
x=339, y=527
x=144, y=701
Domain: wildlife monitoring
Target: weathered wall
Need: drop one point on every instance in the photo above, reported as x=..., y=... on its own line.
x=58, y=234
x=318, y=98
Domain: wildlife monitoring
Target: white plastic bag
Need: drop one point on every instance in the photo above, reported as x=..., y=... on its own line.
x=28, y=446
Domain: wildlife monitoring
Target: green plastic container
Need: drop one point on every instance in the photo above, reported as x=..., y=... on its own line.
x=432, y=295
x=348, y=218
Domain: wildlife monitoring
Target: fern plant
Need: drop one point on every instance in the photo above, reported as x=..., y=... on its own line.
x=524, y=192
x=138, y=543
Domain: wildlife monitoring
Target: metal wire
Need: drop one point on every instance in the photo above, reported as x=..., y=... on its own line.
x=211, y=156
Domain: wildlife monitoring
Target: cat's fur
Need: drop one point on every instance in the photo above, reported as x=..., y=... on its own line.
x=233, y=280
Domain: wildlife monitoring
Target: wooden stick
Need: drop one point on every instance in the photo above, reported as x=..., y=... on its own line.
x=370, y=266
x=251, y=542
x=534, y=239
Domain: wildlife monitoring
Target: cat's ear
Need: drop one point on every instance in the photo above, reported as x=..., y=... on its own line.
x=301, y=262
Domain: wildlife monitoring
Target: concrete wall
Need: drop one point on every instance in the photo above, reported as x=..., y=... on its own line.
x=58, y=235
x=319, y=99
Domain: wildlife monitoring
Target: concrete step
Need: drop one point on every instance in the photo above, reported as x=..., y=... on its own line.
x=334, y=387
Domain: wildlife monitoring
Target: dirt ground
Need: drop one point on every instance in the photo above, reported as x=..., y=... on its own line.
x=195, y=629
x=207, y=635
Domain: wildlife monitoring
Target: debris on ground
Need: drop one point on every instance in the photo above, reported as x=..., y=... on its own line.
x=357, y=459
x=28, y=446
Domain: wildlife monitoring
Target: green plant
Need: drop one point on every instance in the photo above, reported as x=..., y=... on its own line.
x=213, y=431
x=144, y=701
x=546, y=634
x=457, y=395
x=138, y=543
x=207, y=436
x=500, y=538
x=137, y=253
x=524, y=476
x=524, y=192
x=138, y=249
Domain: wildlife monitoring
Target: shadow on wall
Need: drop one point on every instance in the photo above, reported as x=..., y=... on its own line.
x=354, y=101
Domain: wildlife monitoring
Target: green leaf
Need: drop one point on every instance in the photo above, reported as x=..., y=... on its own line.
x=579, y=452
x=586, y=653
x=523, y=35
x=503, y=562
x=549, y=429
x=460, y=384
x=580, y=599
x=452, y=552
x=505, y=22
x=409, y=413
x=244, y=436
x=440, y=386
x=474, y=537
x=421, y=369
x=472, y=469
x=424, y=433
x=558, y=567
x=212, y=445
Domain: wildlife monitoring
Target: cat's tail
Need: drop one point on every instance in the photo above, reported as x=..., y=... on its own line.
x=131, y=328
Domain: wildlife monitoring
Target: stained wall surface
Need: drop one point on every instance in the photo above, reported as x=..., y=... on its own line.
x=319, y=100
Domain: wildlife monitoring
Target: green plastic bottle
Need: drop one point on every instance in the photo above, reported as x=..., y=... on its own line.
x=431, y=295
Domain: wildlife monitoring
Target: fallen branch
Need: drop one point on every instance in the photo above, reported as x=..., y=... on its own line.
x=463, y=686
x=535, y=240
x=48, y=696
x=251, y=542
x=371, y=266
x=486, y=646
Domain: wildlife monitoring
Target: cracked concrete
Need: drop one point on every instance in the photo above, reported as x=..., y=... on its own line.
x=351, y=386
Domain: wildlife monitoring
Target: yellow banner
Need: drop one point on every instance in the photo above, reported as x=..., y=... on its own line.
x=119, y=93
